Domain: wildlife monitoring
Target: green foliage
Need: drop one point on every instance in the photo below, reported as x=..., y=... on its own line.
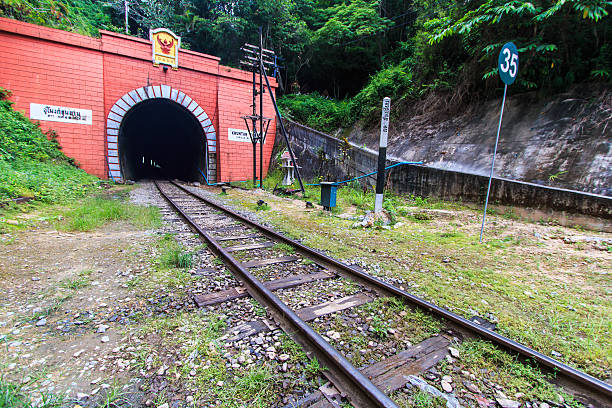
x=316, y=111
x=380, y=327
x=351, y=20
x=80, y=16
x=560, y=42
x=31, y=163
x=394, y=81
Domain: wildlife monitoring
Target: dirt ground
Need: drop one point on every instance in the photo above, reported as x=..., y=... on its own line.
x=59, y=292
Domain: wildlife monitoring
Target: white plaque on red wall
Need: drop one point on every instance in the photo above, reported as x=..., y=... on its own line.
x=60, y=114
x=238, y=135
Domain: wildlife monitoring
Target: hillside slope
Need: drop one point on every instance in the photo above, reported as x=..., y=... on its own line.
x=31, y=162
x=563, y=141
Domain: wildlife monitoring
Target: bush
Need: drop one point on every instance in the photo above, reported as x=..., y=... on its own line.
x=394, y=81
x=316, y=111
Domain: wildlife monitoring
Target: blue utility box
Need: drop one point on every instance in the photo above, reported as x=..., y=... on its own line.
x=328, y=194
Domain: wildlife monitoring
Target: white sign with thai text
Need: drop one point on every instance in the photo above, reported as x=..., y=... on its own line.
x=238, y=135
x=60, y=114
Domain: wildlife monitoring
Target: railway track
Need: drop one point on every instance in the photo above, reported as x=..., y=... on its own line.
x=250, y=251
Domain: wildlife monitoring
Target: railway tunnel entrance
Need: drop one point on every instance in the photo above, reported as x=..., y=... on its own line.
x=160, y=138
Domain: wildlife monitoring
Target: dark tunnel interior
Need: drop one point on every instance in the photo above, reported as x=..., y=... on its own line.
x=159, y=138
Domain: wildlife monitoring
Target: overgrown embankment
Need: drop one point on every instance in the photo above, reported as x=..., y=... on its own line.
x=31, y=162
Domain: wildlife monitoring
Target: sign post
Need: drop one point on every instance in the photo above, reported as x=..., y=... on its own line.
x=382, y=154
x=507, y=65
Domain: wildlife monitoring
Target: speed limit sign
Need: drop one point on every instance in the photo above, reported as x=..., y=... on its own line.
x=507, y=63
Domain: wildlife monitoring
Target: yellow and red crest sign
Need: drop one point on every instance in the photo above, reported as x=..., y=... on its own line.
x=166, y=46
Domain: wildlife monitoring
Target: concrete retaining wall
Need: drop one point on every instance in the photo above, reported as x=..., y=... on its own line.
x=334, y=160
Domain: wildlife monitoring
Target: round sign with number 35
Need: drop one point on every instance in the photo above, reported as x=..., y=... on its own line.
x=507, y=63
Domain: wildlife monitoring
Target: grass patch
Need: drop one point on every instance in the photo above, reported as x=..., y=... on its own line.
x=12, y=396
x=115, y=397
x=286, y=248
x=97, y=211
x=79, y=282
x=480, y=356
x=173, y=254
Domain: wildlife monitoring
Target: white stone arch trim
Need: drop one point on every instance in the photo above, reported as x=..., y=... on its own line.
x=130, y=99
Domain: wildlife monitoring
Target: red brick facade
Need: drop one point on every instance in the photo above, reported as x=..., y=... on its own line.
x=54, y=67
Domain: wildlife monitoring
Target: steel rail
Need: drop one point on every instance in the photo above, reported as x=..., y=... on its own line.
x=602, y=390
x=342, y=373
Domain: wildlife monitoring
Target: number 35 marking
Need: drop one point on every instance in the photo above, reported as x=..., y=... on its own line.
x=510, y=62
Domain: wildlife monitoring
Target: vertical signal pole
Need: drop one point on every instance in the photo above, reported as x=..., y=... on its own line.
x=382, y=154
x=127, y=10
x=254, y=139
x=261, y=91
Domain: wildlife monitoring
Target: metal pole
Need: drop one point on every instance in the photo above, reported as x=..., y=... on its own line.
x=382, y=154
x=127, y=10
x=254, y=139
x=284, y=132
x=261, y=135
x=501, y=114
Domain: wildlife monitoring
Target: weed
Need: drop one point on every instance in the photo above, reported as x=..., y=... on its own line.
x=422, y=399
x=258, y=309
x=173, y=255
x=80, y=282
x=504, y=367
x=57, y=304
x=115, y=397
x=254, y=388
x=133, y=281
x=509, y=214
x=421, y=216
x=313, y=368
x=290, y=347
x=380, y=327
x=452, y=234
x=279, y=246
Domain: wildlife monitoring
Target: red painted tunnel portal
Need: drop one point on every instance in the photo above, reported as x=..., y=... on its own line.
x=124, y=117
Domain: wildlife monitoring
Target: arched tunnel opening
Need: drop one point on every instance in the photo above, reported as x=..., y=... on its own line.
x=161, y=139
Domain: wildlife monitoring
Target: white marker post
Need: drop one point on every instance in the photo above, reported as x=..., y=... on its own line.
x=507, y=64
x=382, y=154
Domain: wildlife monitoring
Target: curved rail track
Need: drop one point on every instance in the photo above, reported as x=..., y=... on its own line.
x=358, y=387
